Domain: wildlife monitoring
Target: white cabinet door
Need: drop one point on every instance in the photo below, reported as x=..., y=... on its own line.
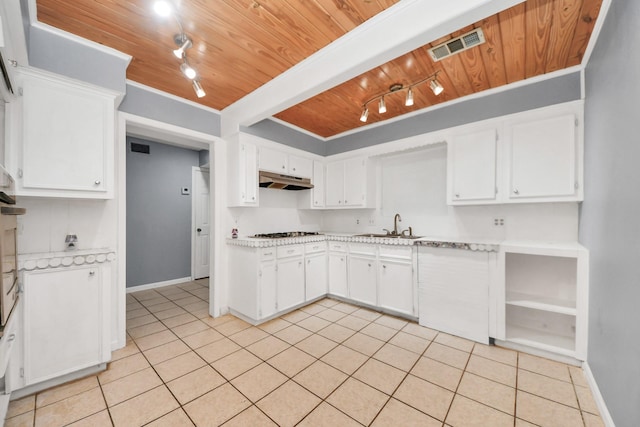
x=472, y=167
x=290, y=282
x=316, y=276
x=338, y=274
x=396, y=286
x=335, y=184
x=362, y=279
x=272, y=161
x=318, y=190
x=299, y=166
x=542, y=158
x=248, y=174
x=66, y=321
x=267, y=289
x=355, y=182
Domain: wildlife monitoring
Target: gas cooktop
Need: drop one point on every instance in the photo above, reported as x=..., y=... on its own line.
x=285, y=234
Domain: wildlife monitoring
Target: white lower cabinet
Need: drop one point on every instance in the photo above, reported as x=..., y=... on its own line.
x=66, y=321
x=396, y=289
x=338, y=269
x=315, y=271
x=289, y=277
x=362, y=279
x=267, y=288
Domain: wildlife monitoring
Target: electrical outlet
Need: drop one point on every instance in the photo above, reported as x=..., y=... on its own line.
x=372, y=220
x=498, y=222
x=357, y=221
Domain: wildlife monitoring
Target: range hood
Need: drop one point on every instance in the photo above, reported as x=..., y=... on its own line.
x=283, y=182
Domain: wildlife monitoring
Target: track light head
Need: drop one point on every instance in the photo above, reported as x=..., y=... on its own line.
x=188, y=71
x=198, y=89
x=436, y=87
x=365, y=115
x=163, y=8
x=382, y=106
x=183, y=42
x=409, y=100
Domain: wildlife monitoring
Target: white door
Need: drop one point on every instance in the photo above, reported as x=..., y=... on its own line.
x=201, y=226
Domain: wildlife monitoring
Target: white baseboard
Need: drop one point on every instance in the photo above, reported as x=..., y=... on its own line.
x=158, y=284
x=602, y=406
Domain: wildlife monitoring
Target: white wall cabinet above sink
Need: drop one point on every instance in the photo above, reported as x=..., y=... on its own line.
x=536, y=156
x=61, y=137
x=350, y=184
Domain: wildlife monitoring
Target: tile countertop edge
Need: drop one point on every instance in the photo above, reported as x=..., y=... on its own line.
x=43, y=260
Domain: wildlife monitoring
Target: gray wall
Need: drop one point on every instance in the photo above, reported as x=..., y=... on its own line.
x=158, y=215
x=275, y=131
x=548, y=92
x=610, y=214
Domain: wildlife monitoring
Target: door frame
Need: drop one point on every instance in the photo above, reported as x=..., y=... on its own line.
x=194, y=170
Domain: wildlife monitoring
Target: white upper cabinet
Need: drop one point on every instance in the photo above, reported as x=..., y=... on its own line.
x=280, y=162
x=350, y=184
x=61, y=138
x=535, y=156
x=299, y=166
x=542, y=156
x=243, y=173
x=472, y=163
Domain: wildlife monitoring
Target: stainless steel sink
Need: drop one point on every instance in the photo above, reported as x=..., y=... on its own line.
x=388, y=236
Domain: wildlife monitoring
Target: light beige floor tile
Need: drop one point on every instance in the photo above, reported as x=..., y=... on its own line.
x=148, y=329
x=100, y=419
x=543, y=366
x=381, y=332
x=21, y=406
x=591, y=420
x=344, y=359
x=141, y=321
x=178, y=320
x=268, y=347
x=123, y=367
x=396, y=357
x=250, y=417
x=578, y=377
x=220, y=320
x=492, y=370
x=275, y=325
x=420, y=331
x=391, y=322
x=450, y=356
x=410, y=342
x=345, y=307
x=71, y=409
x=179, y=366
x=171, y=312
x=365, y=314
x=429, y=398
x=455, y=342
x=138, y=312
x=336, y=333
x=549, y=388
x=328, y=302
x=202, y=314
x=187, y=300
x=291, y=361
x=326, y=415
x=467, y=413
x=585, y=398
x=166, y=351
x=380, y=376
x=158, y=304
x=396, y=413
x=437, y=373
x=132, y=385
x=203, y=338
x=257, y=382
x=194, y=384
x=144, y=408
x=155, y=340
x=497, y=354
x=316, y=345
x=169, y=291
x=313, y=323
x=236, y=363
x=190, y=328
x=523, y=423
x=248, y=336
x=331, y=315
x=22, y=420
x=217, y=350
x=295, y=316
x=320, y=378
x=129, y=349
x=353, y=322
x=358, y=400
x=146, y=295
x=363, y=343
x=131, y=306
x=293, y=334
x=288, y=404
x=313, y=309
x=488, y=392
x=197, y=306
x=545, y=412
x=232, y=327
x=177, y=418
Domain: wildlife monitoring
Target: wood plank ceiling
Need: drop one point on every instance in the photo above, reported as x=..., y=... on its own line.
x=239, y=45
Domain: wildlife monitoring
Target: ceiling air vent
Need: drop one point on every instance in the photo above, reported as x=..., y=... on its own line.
x=457, y=45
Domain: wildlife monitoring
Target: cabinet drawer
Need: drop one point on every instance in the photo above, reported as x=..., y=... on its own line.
x=289, y=251
x=267, y=254
x=337, y=246
x=315, y=247
x=359, y=249
x=399, y=252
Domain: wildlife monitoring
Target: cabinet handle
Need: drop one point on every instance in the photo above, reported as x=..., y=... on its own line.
x=345, y=202
x=290, y=251
x=457, y=196
x=339, y=201
x=308, y=261
x=97, y=182
x=11, y=337
x=516, y=191
x=267, y=253
x=369, y=264
x=316, y=202
x=253, y=197
x=342, y=259
x=283, y=167
x=299, y=263
x=294, y=169
x=384, y=266
x=92, y=273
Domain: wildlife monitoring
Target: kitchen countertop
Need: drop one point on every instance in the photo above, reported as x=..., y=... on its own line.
x=42, y=260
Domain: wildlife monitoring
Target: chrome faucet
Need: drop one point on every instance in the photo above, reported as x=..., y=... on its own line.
x=395, y=224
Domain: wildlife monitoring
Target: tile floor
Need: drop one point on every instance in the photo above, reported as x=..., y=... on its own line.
x=327, y=364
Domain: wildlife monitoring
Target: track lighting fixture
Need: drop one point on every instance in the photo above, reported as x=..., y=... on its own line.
x=198, y=89
x=163, y=8
x=184, y=43
x=434, y=84
x=188, y=71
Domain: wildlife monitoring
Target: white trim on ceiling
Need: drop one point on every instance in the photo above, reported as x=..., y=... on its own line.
x=413, y=23
x=172, y=96
x=298, y=128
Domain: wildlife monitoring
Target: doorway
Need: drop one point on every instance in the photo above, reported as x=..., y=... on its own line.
x=200, y=223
